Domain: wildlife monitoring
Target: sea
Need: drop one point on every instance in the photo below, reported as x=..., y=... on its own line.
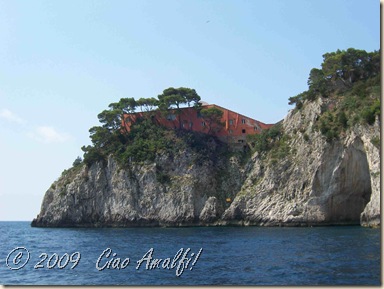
x=345, y=255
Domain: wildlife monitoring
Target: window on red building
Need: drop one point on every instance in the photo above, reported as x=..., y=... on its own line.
x=171, y=117
x=243, y=130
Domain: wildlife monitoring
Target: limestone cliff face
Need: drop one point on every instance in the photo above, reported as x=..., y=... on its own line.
x=172, y=191
x=315, y=183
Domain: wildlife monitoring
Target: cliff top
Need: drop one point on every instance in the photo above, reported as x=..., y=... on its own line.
x=348, y=84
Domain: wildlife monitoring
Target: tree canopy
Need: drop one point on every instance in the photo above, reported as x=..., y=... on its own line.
x=178, y=97
x=212, y=116
x=339, y=72
x=349, y=82
x=147, y=104
x=145, y=138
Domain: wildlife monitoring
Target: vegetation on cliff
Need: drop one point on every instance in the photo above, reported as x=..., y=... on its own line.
x=349, y=84
x=146, y=138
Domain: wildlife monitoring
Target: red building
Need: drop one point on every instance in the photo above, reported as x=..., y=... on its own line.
x=234, y=130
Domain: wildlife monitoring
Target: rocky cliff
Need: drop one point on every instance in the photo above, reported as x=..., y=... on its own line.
x=175, y=190
x=311, y=182
x=317, y=182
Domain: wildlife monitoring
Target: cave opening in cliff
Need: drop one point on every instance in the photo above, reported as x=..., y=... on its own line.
x=352, y=188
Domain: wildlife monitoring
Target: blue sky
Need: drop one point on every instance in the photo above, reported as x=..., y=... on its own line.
x=63, y=62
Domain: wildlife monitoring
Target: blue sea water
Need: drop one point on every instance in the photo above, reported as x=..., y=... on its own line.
x=228, y=256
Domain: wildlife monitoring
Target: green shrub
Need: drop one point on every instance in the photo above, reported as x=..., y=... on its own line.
x=370, y=112
x=376, y=141
x=62, y=192
x=266, y=140
x=342, y=119
x=92, y=155
x=331, y=135
x=368, y=116
x=163, y=178
x=77, y=162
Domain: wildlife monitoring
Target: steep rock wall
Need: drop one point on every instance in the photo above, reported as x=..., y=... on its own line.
x=173, y=191
x=317, y=183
